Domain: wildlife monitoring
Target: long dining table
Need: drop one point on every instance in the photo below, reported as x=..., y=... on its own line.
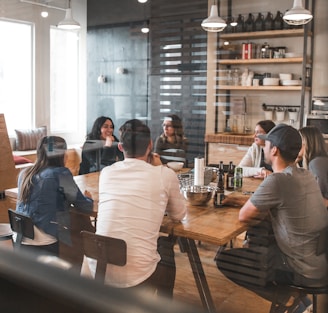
x=217, y=226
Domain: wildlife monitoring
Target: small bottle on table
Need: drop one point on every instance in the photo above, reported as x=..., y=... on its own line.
x=219, y=192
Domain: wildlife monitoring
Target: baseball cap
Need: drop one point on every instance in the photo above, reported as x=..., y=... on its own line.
x=285, y=137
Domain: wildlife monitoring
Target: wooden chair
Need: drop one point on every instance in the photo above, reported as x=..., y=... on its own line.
x=322, y=247
x=106, y=250
x=22, y=225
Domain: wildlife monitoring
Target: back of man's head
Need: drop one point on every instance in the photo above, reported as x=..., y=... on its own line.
x=135, y=138
x=287, y=139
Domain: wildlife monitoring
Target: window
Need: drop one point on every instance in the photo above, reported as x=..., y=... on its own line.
x=16, y=74
x=64, y=81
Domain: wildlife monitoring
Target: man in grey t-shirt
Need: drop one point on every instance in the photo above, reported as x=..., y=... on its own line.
x=291, y=200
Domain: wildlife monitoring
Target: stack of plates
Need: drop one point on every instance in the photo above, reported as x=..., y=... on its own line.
x=268, y=81
x=291, y=82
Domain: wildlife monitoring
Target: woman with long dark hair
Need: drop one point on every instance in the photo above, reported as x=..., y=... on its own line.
x=46, y=192
x=315, y=157
x=100, y=148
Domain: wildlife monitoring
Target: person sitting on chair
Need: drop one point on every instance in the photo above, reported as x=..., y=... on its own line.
x=291, y=201
x=46, y=192
x=134, y=195
x=253, y=161
x=315, y=157
x=100, y=149
x=172, y=144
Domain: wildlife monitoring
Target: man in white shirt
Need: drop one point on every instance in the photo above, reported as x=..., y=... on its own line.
x=134, y=195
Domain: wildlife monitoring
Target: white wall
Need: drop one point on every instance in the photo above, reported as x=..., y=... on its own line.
x=16, y=10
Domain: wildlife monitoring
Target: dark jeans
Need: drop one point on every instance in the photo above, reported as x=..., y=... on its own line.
x=162, y=280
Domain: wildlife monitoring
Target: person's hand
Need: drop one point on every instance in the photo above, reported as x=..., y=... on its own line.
x=154, y=159
x=109, y=141
x=263, y=173
x=88, y=194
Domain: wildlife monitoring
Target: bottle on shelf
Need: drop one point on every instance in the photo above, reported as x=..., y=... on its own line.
x=239, y=28
x=249, y=23
x=259, y=22
x=230, y=177
x=268, y=22
x=238, y=179
x=278, y=22
x=219, y=192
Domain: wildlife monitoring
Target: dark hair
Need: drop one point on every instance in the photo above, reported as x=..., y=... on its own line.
x=286, y=155
x=135, y=138
x=266, y=125
x=50, y=153
x=96, y=128
x=315, y=145
x=176, y=124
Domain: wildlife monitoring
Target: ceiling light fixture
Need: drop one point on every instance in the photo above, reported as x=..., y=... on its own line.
x=68, y=22
x=214, y=23
x=142, y=1
x=44, y=14
x=145, y=28
x=297, y=15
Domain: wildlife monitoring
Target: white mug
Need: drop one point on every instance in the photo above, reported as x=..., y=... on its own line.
x=256, y=82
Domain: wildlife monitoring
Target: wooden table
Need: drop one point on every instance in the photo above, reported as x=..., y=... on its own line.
x=217, y=226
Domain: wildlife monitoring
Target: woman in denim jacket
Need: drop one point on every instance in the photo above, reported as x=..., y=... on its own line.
x=46, y=192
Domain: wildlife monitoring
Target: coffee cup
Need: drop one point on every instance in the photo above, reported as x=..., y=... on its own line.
x=256, y=82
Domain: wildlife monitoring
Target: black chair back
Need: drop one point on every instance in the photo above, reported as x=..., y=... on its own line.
x=106, y=250
x=22, y=225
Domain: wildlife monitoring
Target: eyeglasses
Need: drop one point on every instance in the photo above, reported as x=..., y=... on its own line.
x=167, y=125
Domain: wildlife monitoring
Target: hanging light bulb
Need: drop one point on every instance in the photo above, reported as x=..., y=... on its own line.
x=145, y=28
x=68, y=22
x=214, y=23
x=44, y=14
x=297, y=15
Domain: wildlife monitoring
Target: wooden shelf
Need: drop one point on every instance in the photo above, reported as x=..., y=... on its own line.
x=265, y=34
x=260, y=61
x=267, y=88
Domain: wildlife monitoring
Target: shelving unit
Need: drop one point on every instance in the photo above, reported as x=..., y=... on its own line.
x=221, y=144
x=299, y=63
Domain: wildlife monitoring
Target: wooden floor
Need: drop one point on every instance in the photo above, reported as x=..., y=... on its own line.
x=227, y=296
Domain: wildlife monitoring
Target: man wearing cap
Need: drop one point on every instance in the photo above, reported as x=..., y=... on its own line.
x=290, y=200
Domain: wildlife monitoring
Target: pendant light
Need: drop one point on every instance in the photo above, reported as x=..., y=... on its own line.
x=214, y=23
x=297, y=15
x=68, y=22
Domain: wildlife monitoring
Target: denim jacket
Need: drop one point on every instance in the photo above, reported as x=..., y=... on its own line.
x=54, y=191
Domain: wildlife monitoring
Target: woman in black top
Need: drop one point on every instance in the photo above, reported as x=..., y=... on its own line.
x=100, y=149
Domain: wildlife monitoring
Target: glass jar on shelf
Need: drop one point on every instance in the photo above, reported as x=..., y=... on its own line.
x=235, y=77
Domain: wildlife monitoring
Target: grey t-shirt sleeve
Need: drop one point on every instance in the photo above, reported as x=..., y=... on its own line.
x=319, y=168
x=266, y=195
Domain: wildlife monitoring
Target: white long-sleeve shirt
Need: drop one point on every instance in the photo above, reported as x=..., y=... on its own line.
x=133, y=198
x=251, y=161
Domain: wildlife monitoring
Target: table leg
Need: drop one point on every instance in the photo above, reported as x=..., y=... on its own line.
x=190, y=247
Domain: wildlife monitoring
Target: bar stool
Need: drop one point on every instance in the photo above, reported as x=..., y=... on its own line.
x=6, y=232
